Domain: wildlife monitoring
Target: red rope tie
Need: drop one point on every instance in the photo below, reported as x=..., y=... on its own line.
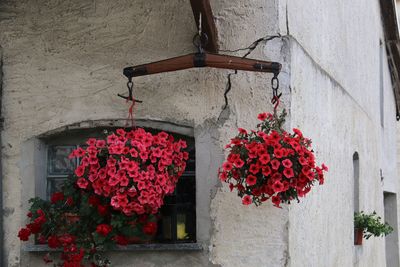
x=275, y=100
x=130, y=112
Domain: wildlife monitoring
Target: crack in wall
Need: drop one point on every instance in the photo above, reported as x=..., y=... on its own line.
x=324, y=72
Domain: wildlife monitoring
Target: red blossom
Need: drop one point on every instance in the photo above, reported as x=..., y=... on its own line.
x=288, y=172
x=242, y=131
x=53, y=242
x=264, y=158
x=150, y=228
x=121, y=240
x=82, y=183
x=287, y=163
x=251, y=180
x=103, y=229
x=102, y=210
x=57, y=196
x=94, y=201
x=24, y=234
x=275, y=164
x=34, y=227
x=262, y=116
x=227, y=166
x=246, y=200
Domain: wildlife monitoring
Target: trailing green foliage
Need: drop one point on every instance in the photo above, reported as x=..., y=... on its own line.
x=371, y=224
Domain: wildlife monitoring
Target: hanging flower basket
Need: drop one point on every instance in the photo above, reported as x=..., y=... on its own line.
x=269, y=162
x=135, y=169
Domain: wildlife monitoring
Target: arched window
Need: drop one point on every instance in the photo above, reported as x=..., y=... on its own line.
x=177, y=222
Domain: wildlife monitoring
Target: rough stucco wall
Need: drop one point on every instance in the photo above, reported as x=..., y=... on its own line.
x=248, y=236
x=335, y=100
x=62, y=64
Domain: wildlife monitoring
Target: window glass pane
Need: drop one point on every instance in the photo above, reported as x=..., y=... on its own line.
x=54, y=185
x=59, y=163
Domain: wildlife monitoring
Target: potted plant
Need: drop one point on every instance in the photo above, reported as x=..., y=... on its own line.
x=269, y=162
x=367, y=225
x=113, y=198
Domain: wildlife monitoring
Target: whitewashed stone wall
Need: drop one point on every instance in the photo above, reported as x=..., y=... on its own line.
x=335, y=81
x=62, y=64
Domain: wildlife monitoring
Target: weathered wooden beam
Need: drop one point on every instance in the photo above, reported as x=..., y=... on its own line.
x=198, y=60
x=207, y=23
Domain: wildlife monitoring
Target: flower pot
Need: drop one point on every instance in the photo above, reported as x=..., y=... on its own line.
x=358, y=236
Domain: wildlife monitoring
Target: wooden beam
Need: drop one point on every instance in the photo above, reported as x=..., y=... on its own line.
x=208, y=24
x=199, y=60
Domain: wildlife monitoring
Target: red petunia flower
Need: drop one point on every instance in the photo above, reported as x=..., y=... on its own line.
x=223, y=176
x=121, y=240
x=34, y=227
x=79, y=171
x=264, y=158
x=251, y=180
x=242, y=131
x=102, y=210
x=298, y=132
x=91, y=141
x=254, y=169
x=262, y=116
x=82, y=183
x=266, y=171
x=57, y=196
x=278, y=153
x=227, y=166
x=238, y=163
x=53, y=241
x=277, y=186
x=24, y=234
x=150, y=228
x=246, y=200
x=231, y=186
x=275, y=164
x=287, y=163
x=277, y=201
x=103, y=229
x=288, y=172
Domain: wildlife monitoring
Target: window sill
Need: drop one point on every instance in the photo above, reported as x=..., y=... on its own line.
x=133, y=247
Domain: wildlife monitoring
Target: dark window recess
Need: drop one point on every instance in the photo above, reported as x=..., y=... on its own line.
x=178, y=215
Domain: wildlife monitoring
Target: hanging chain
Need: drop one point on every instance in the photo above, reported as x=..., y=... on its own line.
x=275, y=94
x=129, y=84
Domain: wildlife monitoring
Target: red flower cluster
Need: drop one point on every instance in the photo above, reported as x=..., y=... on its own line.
x=34, y=227
x=103, y=229
x=271, y=163
x=136, y=169
x=150, y=228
